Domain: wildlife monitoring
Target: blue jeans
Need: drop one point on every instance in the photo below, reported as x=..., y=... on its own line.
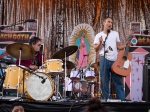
x=105, y=80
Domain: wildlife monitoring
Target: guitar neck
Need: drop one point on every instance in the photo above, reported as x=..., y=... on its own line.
x=127, y=49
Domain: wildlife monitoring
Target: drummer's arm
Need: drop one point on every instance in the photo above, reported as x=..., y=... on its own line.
x=39, y=57
x=25, y=63
x=33, y=67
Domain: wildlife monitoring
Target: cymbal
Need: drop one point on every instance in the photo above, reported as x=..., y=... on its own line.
x=95, y=65
x=27, y=51
x=61, y=53
x=69, y=65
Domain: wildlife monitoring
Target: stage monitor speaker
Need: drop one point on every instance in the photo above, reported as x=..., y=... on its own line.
x=146, y=83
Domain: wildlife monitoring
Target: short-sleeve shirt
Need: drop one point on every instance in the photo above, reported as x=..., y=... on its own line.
x=110, y=45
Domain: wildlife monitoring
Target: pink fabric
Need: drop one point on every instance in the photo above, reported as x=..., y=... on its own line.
x=83, y=60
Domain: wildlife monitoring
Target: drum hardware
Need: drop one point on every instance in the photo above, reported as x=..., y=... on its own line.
x=22, y=52
x=53, y=66
x=57, y=93
x=61, y=54
x=90, y=83
x=82, y=85
x=96, y=70
x=2, y=77
x=32, y=72
x=69, y=65
x=79, y=71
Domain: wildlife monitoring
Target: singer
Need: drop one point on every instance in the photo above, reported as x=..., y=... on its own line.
x=36, y=61
x=112, y=41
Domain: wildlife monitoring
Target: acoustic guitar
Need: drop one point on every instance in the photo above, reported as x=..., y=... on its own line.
x=122, y=65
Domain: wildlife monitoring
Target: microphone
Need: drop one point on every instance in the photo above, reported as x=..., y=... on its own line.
x=108, y=30
x=43, y=80
x=29, y=20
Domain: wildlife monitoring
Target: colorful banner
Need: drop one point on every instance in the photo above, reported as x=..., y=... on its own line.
x=140, y=40
x=11, y=37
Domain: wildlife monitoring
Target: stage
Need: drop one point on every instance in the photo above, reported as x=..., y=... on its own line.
x=76, y=106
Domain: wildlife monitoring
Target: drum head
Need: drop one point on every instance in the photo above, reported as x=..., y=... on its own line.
x=38, y=90
x=80, y=86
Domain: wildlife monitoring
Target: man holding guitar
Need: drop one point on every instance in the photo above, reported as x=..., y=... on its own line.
x=109, y=40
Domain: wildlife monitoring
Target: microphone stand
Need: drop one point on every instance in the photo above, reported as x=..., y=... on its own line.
x=104, y=65
x=12, y=25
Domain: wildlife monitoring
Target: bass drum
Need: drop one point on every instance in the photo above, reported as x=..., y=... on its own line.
x=35, y=88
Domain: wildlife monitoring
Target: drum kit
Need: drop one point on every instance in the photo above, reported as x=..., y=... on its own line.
x=39, y=85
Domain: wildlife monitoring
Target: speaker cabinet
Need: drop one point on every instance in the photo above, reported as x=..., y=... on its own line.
x=146, y=83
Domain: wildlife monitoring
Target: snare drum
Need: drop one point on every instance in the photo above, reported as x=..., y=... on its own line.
x=75, y=75
x=12, y=75
x=36, y=89
x=89, y=75
x=53, y=66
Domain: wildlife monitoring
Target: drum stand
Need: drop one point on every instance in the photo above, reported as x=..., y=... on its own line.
x=23, y=94
x=57, y=88
x=64, y=87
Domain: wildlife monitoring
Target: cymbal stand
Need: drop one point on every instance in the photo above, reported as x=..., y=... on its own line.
x=18, y=84
x=19, y=71
x=23, y=94
x=64, y=85
x=57, y=88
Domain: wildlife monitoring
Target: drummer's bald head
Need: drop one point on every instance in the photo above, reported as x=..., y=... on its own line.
x=34, y=40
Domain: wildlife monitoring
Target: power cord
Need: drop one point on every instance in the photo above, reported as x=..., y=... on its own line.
x=72, y=106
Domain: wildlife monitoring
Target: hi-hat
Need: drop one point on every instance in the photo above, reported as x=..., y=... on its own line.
x=61, y=53
x=69, y=65
x=27, y=51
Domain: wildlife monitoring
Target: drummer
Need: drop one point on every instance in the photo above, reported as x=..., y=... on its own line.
x=35, y=62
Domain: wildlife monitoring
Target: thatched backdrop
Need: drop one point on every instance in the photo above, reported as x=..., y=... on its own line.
x=74, y=12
